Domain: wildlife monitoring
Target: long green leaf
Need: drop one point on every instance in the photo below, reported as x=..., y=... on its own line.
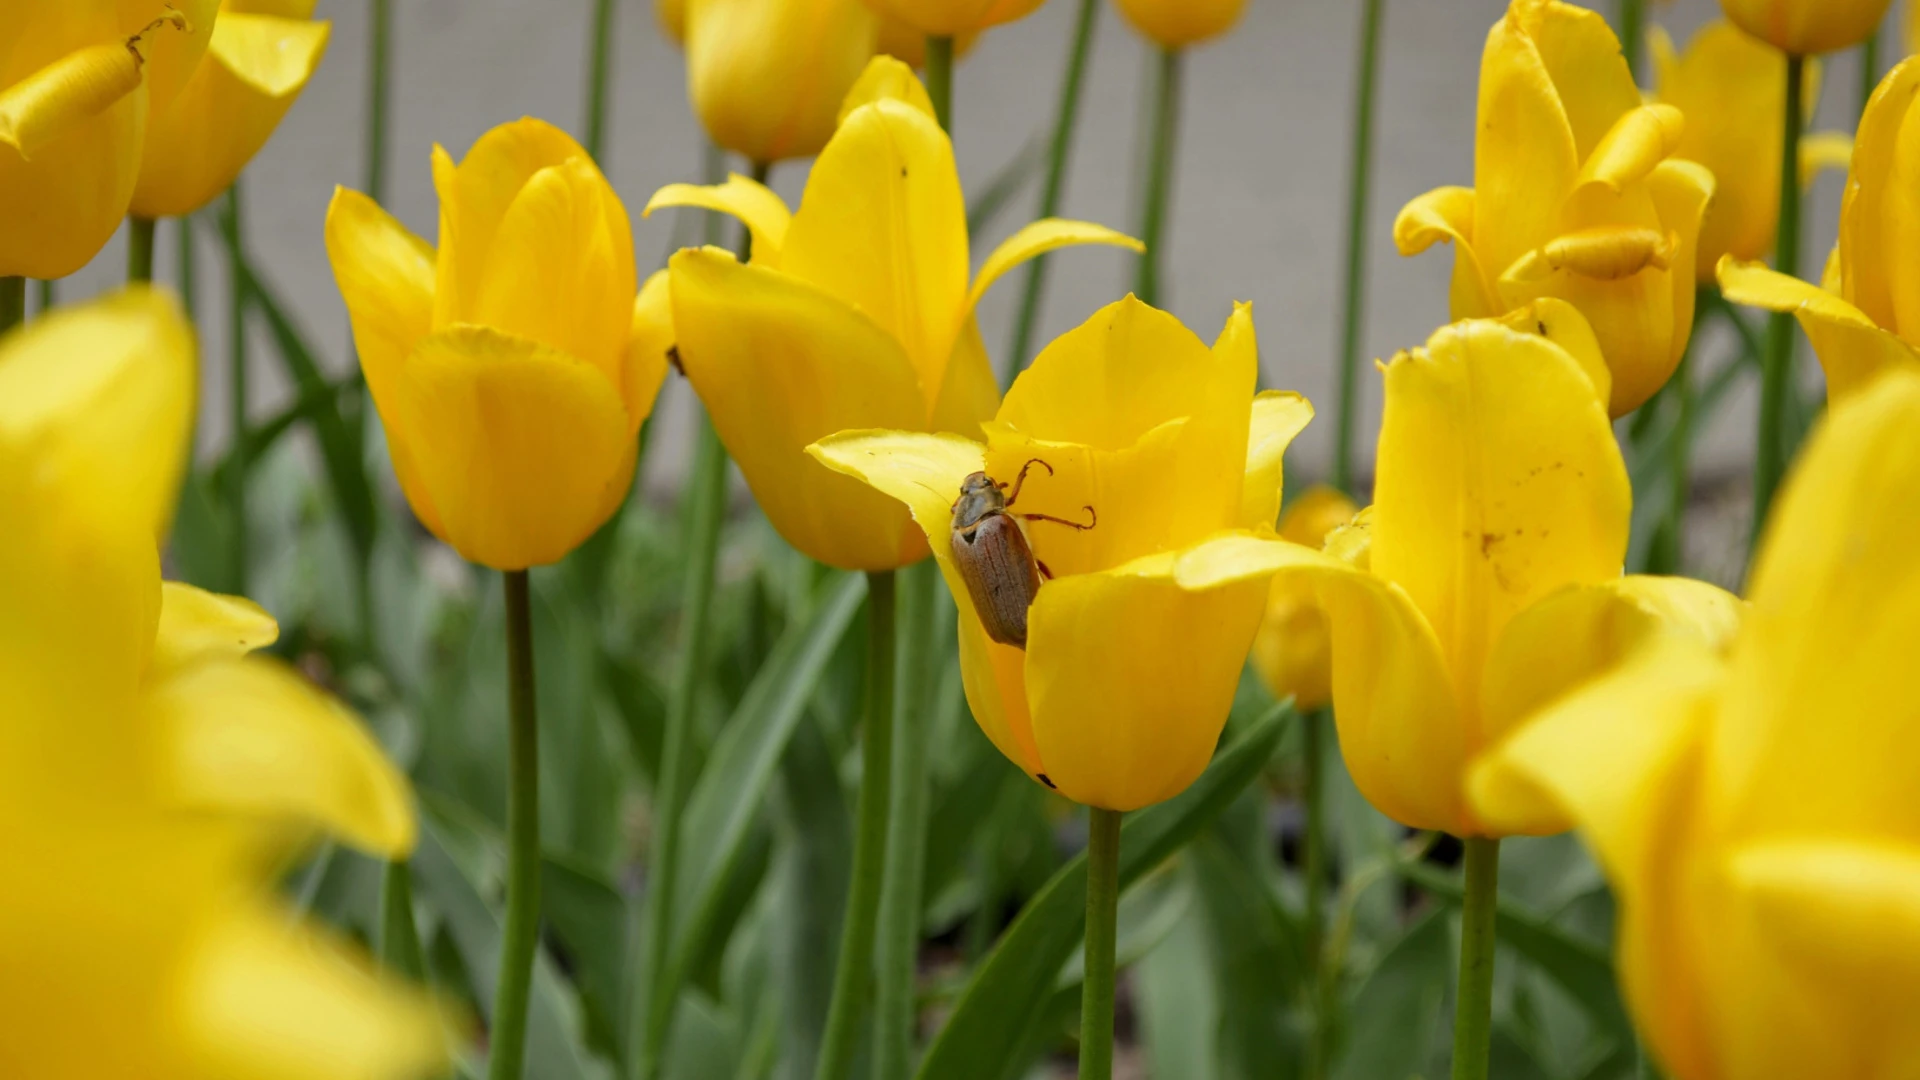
x=1398, y=1007
x=1008, y=991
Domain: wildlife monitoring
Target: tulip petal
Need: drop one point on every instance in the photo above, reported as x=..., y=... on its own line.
x=1499, y=481
x=1852, y=350
x=198, y=625
x=1869, y=247
x=1682, y=192
x=650, y=340
x=1446, y=215
x=386, y=275
x=1520, y=173
x=1824, y=151
x=971, y=393
x=1037, y=239
x=273, y=55
x=173, y=37
x=764, y=213
x=1394, y=703
x=1580, y=53
x=1641, y=139
x=474, y=198
x=523, y=450
x=57, y=99
x=766, y=77
x=1561, y=323
x=888, y=78
x=251, y=737
x=780, y=365
x=1278, y=417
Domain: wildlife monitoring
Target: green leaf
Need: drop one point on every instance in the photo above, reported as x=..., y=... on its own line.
x=1178, y=1000
x=812, y=861
x=1397, y=1011
x=589, y=917
x=1008, y=991
x=1259, y=962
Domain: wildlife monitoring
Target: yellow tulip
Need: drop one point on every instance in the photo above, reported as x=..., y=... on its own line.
x=954, y=18
x=1125, y=683
x=671, y=15
x=512, y=368
x=855, y=312
x=78, y=79
x=1807, y=27
x=151, y=764
x=1175, y=24
x=1579, y=196
x=1292, y=652
x=904, y=43
x=1738, y=86
x=261, y=56
x=1866, y=318
x=1492, y=578
x=767, y=76
x=1756, y=813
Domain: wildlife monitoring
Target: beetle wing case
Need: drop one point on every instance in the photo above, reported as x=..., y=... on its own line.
x=1001, y=576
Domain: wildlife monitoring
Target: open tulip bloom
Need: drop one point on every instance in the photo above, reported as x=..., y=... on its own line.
x=1579, y=196
x=1755, y=812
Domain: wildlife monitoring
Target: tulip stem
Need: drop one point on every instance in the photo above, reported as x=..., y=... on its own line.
x=1633, y=15
x=399, y=939
x=1776, y=375
x=1473, y=1004
x=239, y=459
x=1870, y=68
x=940, y=79
x=379, y=62
x=1103, y=907
x=13, y=302
x=1165, y=136
x=1314, y=869
x=44, y=300
x=898, y=945
x=600, y=65
x=139, y=249
x=186, y=275
x=522, y=933
x=853, y=972
x=1056, y=181
x=1359, y=192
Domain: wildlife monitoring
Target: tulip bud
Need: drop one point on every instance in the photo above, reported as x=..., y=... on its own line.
x=954, y=18
x=767, y=76
x=1807, y=27
x=1175, y=24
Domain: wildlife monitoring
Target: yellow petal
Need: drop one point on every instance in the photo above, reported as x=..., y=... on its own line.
x=56, y=100
x=764, y=213
x=1579, y=53
x=1130, y=679
x=952, y=18
x=1499, y=481
x=1824, y=151
x=1641, y=139
x=1561, y=323
x=474, y=198
x=252, y=738
x=386, y=276
x=883, y=228
x=1278, y=417
x=1805, y=28
x=1900, y=218
x=1293, y=652
x=767, y=76
x=1870, y=209
x=1394, y=704
x=1446, y=215
x=1852, y=350
x=650, y=339
x=1682, y=191
x=523, y=450
x=780, y=365
x=173, y=36
x=1174, y=24
x=971, y=394
x=1603, y=253
x=255, y=68
x=887, y=77
x=1037, y=239
x=198, y=625
x=1525, y=155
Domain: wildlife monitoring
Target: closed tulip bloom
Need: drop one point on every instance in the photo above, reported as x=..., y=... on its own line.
x=1579, y=196
x=767, y=76
x=155, y=773
x=1865, y=318
x=513, y=366
x=1755, y=813
x=855, y=312
x=262, y=54
x=1126, y=680
x=78, y=82
x=672, y=17
x=1807, y=27
x=1492, y=578
x=953, y=18
x=1175, y=24
x=1292, y=653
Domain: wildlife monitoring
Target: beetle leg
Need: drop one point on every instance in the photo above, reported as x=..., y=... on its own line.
x=1022, y=478
x=1045, y=574
x=1093, y=519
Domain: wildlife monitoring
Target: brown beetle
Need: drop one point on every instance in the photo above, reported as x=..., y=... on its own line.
x=992, y=554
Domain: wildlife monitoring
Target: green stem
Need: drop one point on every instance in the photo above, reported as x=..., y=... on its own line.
x=1473, y=1005
x=379, y=63
x=1103, y=911
x=940, y=79
x=140, y=249
x=1314, y=868
x=44, y=297
x=599, y=66
x=1165, y=138
x=853, y=971
x=399, y=939
x=898, y=945
x=522, y=933
x=1670, y=541
x=1633, y=15
x=237, y=397
x=188, y=276
x=13, y=302
x=1359, y=191
x=1056, y=181
x=1870, y=68
x=1776, y=378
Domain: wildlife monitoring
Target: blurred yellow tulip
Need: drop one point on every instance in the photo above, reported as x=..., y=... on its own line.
x=1865, y=318
x=513, y=367
x=855, y=312
x=1175, y=24
x=1120, y=695
x=1492, y=578
x=767, y=76
x=78, y=81
x=261, y=56
x=904, y=43
x=154, y=773
x=1756, y=813
x=1807, y=27
x=1737, y=85
x=1579, y=196
x=1292, y=652
x=672, y=18
x=954, y=18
